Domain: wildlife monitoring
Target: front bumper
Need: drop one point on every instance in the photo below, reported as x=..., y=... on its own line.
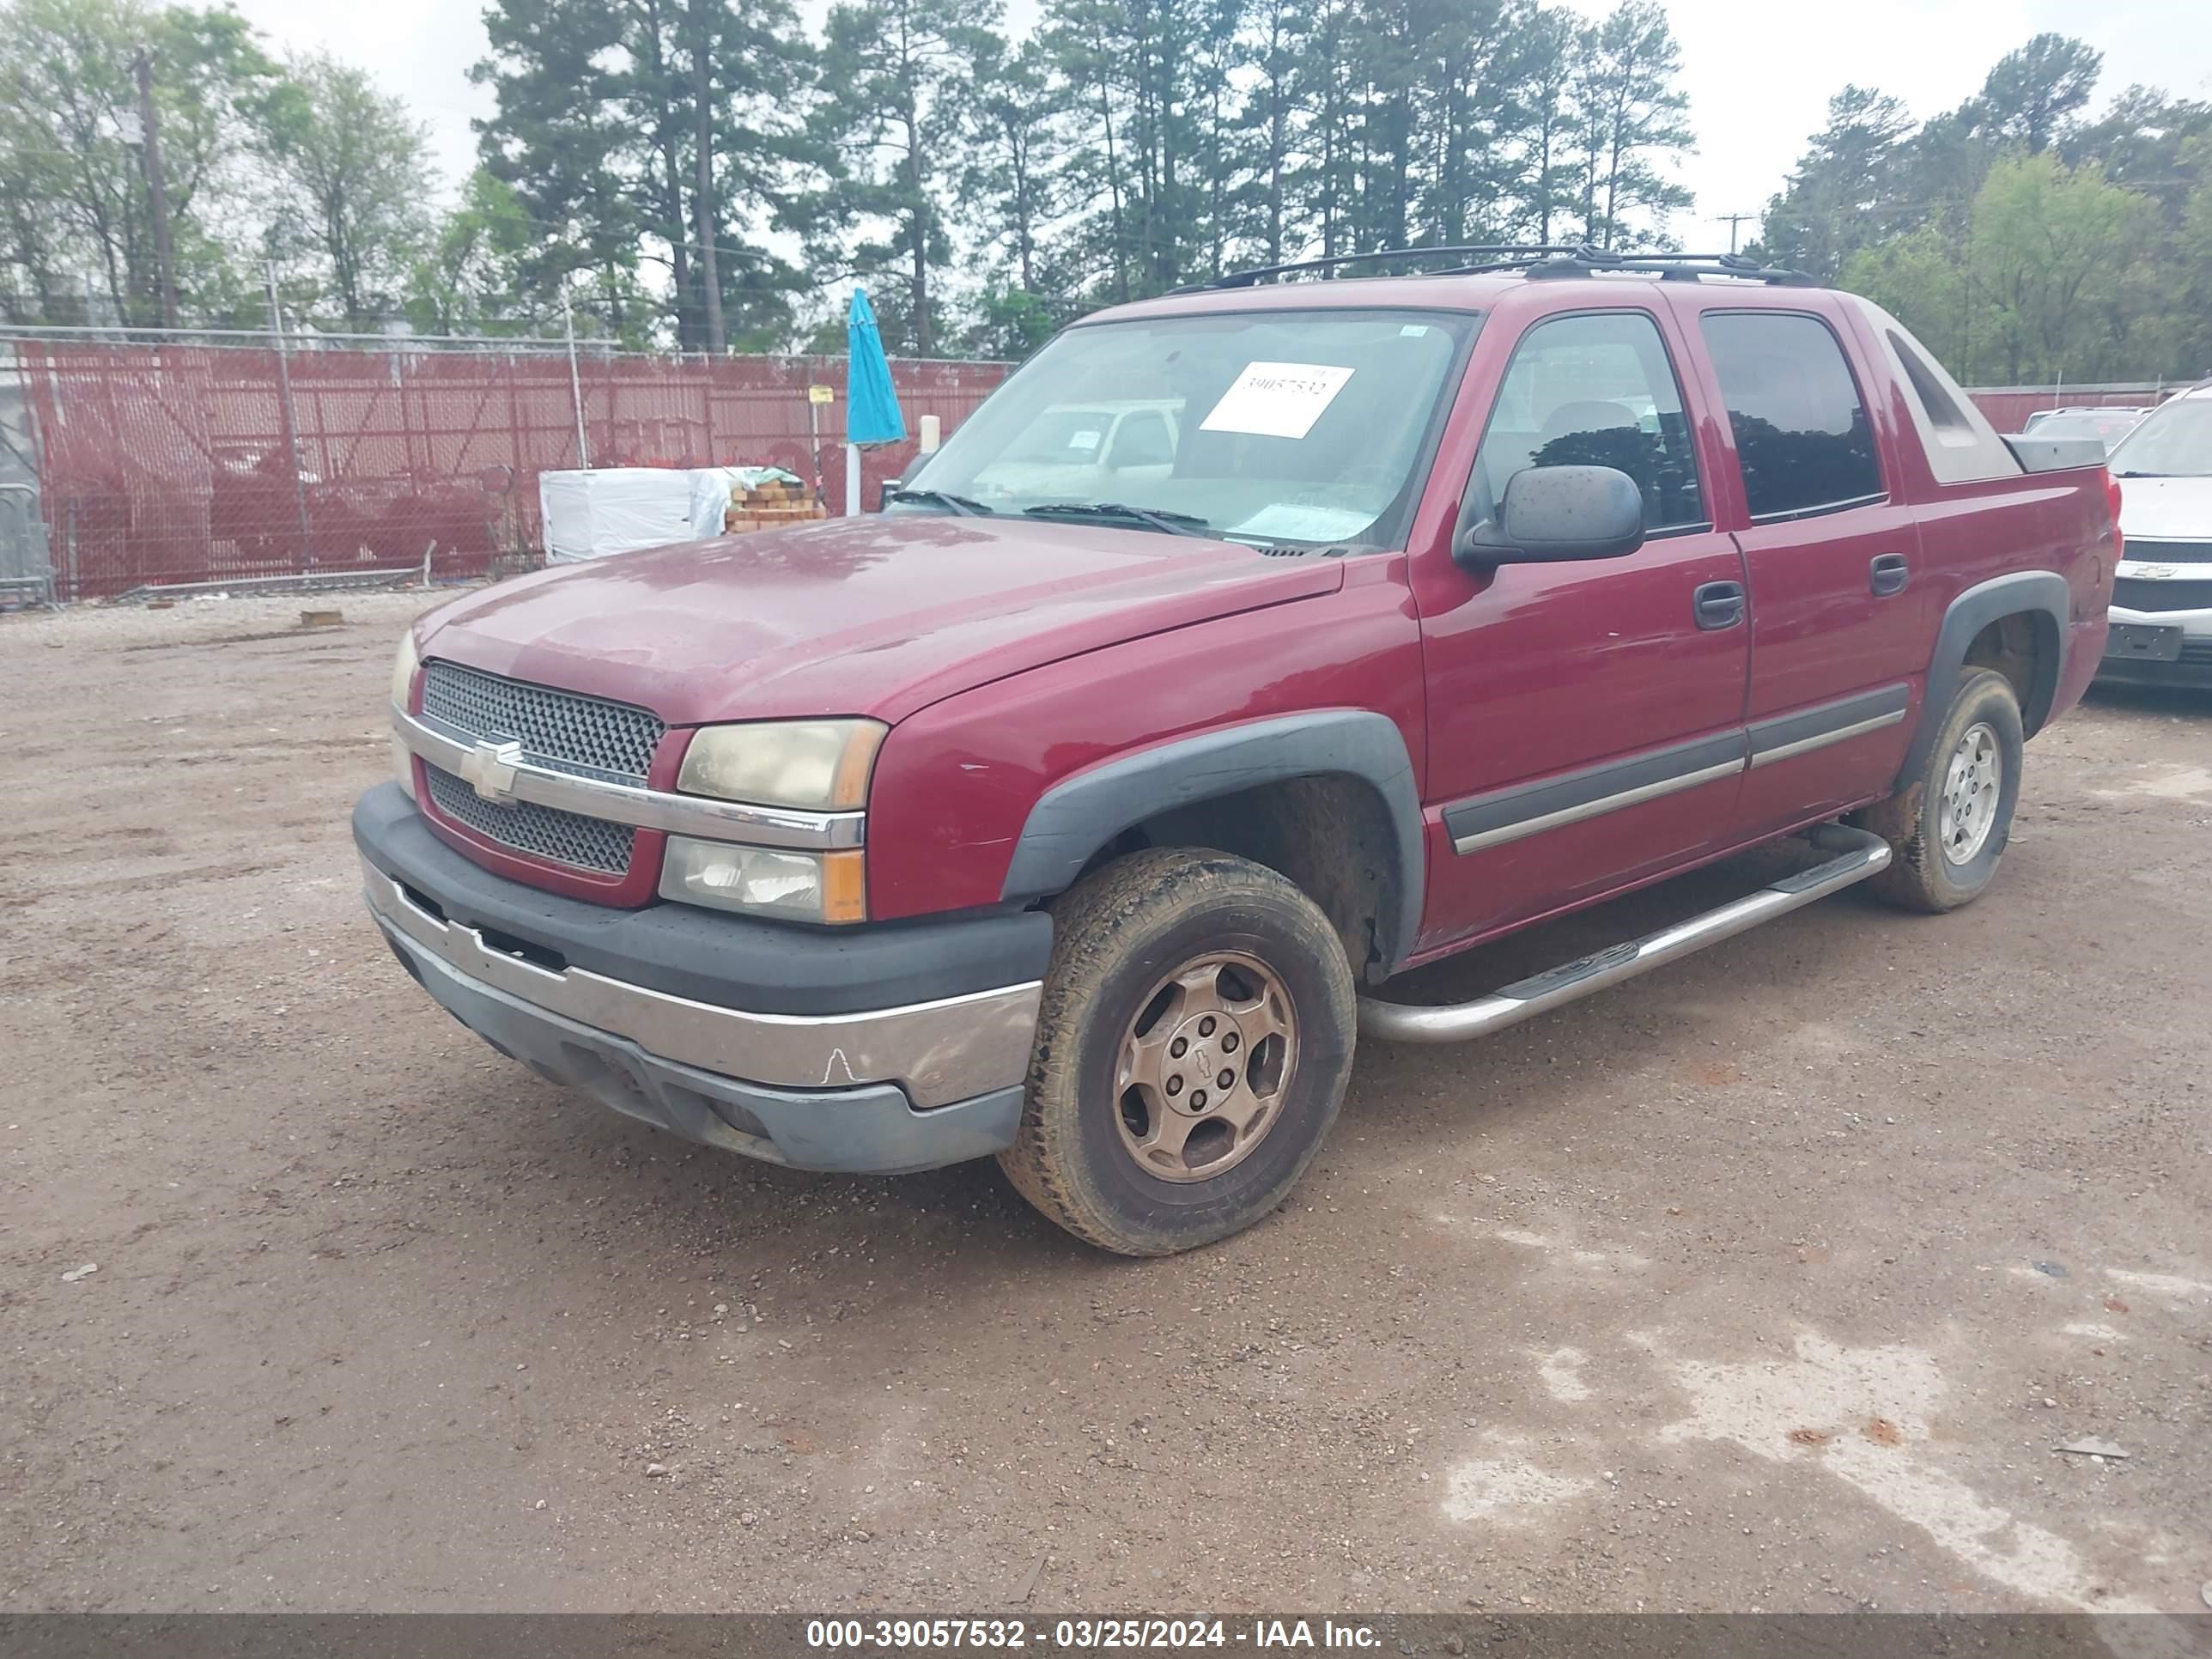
x=685, y=1018
x=2193, y=666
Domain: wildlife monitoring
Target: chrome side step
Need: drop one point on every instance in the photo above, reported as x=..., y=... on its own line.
x=1859, y=854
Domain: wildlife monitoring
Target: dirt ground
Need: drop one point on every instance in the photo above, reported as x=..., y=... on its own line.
x=1774, y=1280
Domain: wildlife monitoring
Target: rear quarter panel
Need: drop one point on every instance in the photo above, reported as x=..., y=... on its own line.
x=1971, y=532
x=955, y=781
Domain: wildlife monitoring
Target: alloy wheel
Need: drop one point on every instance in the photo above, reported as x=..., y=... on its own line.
x=1203, y=1066
x=1972, y=783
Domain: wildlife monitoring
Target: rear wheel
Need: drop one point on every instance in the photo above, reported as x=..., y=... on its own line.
x=1947, y=829
x=1193, y=1047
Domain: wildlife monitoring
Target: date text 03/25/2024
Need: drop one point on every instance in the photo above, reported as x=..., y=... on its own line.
x=1085, y=1634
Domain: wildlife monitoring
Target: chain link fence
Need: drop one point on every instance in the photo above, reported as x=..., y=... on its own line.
x=213, y=461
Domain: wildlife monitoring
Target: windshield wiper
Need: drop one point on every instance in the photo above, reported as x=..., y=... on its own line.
x=1175, y=523
x=2146, y=475
x=961, y=506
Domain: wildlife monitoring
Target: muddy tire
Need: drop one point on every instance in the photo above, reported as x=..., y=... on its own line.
x=1193, y=1047
x=1947, y=828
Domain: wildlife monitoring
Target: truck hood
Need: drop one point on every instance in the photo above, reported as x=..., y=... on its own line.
x=2166, y=509
x=879, y=616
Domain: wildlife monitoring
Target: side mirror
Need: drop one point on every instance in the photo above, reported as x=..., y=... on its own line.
x=1551, y=514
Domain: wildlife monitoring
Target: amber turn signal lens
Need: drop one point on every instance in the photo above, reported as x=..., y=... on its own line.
x=844, y=887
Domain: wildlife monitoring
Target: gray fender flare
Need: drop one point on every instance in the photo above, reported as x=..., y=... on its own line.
x=2040, y=595
x=1080, y=814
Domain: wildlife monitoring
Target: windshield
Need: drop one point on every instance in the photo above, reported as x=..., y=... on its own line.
x=1308, y=427
x=2174, y=442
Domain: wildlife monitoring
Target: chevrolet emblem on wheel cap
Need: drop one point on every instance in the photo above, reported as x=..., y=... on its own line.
x=489, y=768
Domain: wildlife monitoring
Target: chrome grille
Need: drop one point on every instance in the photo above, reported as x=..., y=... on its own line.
x=2151, y=552
x=2146, y=593
x=544, y=832
x=566, y=730
x=563, y=730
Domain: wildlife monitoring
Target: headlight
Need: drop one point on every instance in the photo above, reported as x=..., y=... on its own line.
x=768, y=881
x=403, y=664
x=816, y=766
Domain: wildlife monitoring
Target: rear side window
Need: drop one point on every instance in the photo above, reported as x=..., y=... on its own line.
x=1595, y=389
x=1927, y=386
x=1801, y=433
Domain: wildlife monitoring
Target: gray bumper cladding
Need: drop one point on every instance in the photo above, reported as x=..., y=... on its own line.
x=870, y=1128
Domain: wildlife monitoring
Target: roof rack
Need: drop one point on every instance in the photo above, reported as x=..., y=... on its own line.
x=1537, y=261
x=1675, y=267
x=1507, y=253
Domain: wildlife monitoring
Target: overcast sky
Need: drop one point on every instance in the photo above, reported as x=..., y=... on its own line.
x=1759, y=76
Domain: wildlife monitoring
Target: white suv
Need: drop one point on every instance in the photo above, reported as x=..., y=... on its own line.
x=2163, y=600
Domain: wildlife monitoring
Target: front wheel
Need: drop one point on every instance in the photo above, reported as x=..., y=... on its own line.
x=1193, y=1047
x=1947, y=829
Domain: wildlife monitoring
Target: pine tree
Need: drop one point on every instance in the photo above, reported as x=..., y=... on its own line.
x=2032, y=93
x=645, y=125
x=1845, y=192
x=1009, y=106
x=891, y=111
x=1633, y=113
x=1274, y=120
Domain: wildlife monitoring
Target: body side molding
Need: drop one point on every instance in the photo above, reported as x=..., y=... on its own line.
x=1525, y=809
x=1782, y=737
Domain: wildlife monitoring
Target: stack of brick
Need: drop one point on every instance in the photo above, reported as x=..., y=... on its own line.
x=770, y=506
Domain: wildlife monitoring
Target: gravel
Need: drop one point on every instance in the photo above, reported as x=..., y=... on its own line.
x=1718, y=1291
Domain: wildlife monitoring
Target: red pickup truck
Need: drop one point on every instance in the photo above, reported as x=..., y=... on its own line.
x=1249, y=647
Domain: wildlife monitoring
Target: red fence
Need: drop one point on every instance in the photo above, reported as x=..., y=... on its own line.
x=192, y=463
x=169, y=464
x=2008, y=407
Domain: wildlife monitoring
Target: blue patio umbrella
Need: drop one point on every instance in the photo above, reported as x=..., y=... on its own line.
x=871, y=410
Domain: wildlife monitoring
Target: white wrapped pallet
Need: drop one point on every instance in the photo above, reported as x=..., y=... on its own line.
x=616, y=509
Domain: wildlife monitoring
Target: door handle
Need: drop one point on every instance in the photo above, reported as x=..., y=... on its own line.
x=1718, y=604
x=1888, y=572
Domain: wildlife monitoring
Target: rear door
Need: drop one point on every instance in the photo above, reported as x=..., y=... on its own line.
x=1585, y=730
x=1809, y=487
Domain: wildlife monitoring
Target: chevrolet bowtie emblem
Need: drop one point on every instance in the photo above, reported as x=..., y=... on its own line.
x=489, y=766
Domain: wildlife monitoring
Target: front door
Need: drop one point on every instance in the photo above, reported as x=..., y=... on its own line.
x=1585, y=719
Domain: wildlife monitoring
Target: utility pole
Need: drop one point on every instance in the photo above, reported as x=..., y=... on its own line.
x=1733, y=220
x=575, y=381
x=150, y=136
x=291, y=420
x=710, y=271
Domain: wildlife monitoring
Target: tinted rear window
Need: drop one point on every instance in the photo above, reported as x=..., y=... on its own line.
x=1801, y=433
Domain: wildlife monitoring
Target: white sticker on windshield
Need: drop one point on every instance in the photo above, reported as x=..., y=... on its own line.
x=1294, y=521
x=1276, y=401
x=1083, y=440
